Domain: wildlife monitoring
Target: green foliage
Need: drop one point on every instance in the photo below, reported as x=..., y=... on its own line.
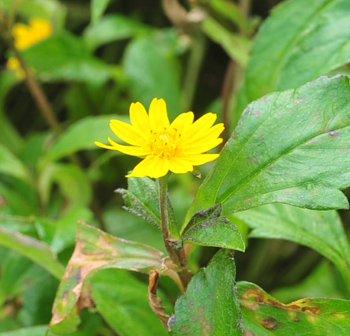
x=210, y=305
x=280, y=177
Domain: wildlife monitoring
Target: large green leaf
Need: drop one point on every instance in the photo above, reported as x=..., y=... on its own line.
x=289, y=147
x=66, y=58
x=320, y=230
x=297, y=44
x=264, y=316
x=153, y=71
x=209, y=306
x=122, y=301
x=95, y=250
x=82, y=135
x=30, y=331
x=33, y=249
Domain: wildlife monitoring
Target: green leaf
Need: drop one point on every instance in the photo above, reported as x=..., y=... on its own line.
x=51, y=10
x=30, y=331
x=82, y=136
x=67, y=59
x=131, y=314
x=72, y=182
x=320, y=230
x=11, y=165
x=289, y=147
x=97, y=9
x=95, y=250
x=314, y=42
x=33, y=249
x=236, y=46
x=209, y=306
x=264, y=316
x=142, y=200
x=208, y=229
x=323, y=281
x=111, y=28
x=61, y=234
x=153, y=71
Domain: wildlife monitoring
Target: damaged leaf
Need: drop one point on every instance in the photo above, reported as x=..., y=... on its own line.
x=154, y=301
x=207, y=228
x=264, y=316
x=209, y=306
x=95, y=250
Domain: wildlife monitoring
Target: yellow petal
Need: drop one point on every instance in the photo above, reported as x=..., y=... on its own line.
x=183, y=121
x=200, y=125
x=204, y=135
x=152, y=166
x=179, y=165
x=139, y=117
x=158, y=115
x=127, y=133
x=202, y=147
x=130, y=150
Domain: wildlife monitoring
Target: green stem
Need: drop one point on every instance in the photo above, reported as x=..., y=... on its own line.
x=163, y=205
x=178, y=257
x=193, y=67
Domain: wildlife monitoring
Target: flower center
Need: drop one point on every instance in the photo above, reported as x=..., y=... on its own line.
x=165, y=142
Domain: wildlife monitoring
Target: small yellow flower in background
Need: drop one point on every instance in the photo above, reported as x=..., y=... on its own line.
x=27, y=35
x=176, y=147
x=24, y=37
x=13, y=64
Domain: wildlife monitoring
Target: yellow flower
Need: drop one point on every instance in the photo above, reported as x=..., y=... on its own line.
x=13, y=64
x=27, y=35
x=24, y=37
x=176, y=147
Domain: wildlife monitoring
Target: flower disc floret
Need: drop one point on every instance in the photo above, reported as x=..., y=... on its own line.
x=175, y=147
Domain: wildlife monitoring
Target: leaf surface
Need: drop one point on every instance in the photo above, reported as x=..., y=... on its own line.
x=314, y=42
x=289, y=147
x=319, y=230
x=207, y=228
x=264, y=316
x=95, y=250
x=209, y=306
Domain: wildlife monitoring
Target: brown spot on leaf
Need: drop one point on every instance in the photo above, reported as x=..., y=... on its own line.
x=270, y=323
x=256, y=296
x=248, y=333
x=333, y=133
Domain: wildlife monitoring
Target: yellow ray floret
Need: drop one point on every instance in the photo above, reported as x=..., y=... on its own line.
x=164, y=147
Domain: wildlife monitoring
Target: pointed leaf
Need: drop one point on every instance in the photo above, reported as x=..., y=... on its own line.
x=209, y=306
x=95, y=250
x=97, y=9
x=264, y=316
x=320, y=230
x=208, y=229
x=142, y=200
x=289, y=147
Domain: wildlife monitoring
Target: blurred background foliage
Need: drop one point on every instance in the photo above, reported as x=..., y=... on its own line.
x=100, y=57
